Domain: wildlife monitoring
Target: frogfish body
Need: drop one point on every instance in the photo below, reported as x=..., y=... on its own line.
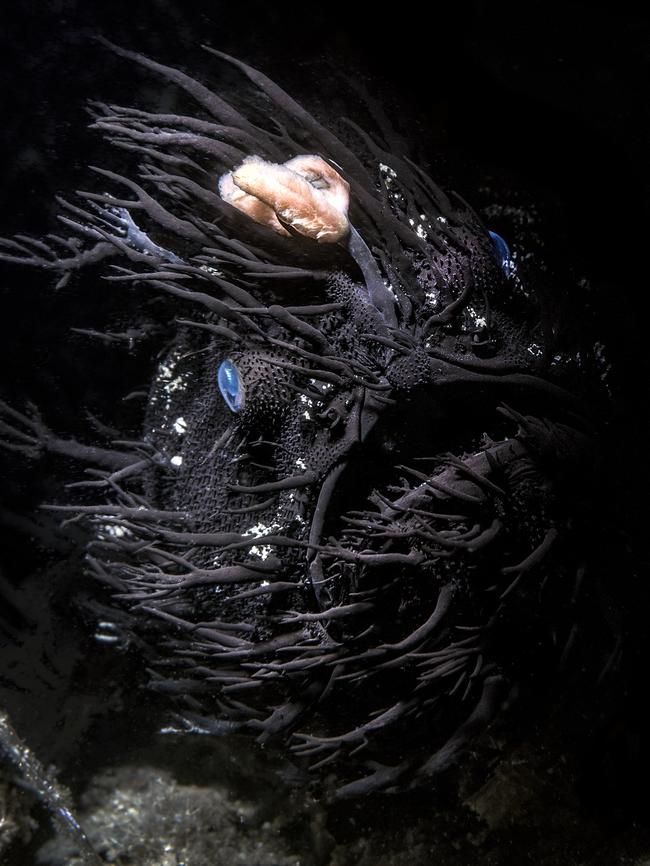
x=344, y=501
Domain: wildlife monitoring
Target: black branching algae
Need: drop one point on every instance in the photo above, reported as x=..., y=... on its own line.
x=354, y=521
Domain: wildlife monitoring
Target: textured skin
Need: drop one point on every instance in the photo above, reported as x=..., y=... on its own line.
x=344, y=565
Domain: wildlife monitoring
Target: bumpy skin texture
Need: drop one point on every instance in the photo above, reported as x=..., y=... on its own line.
x=346, y=564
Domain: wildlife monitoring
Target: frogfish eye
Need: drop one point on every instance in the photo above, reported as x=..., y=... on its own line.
x=502, y=252
x=231, y=385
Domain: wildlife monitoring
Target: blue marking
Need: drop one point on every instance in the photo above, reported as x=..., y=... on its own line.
x=230, y=385
x=141, y=242
x=502, y=253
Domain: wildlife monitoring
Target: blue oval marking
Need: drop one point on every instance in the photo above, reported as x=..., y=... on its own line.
x=502, y=251
x=230, y=385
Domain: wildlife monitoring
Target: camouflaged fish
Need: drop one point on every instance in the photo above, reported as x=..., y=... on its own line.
x=340, y=530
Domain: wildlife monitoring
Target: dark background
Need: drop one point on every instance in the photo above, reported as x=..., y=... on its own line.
x=552, y=94
x=547, y=102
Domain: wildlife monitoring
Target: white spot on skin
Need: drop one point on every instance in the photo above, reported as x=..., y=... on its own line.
x=307, y=401
x=176, y=384
x=259, y=531
x=169, y=381
x=180, y=425
x=300, y=463
x=432, y=297
x=477, y=321
x=176, y=460
x=210, y=270
x=262, y=552
x=114, y=530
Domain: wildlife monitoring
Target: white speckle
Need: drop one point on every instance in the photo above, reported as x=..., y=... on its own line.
x=165, y=371
x=307, y=401
x=210, y=270
x=263, y=552
x=180, y=425
x=259, y=531
x=386, y=169
x=176, y=384
x=441, y=219
x=420, y=232
x=432, y=297
x=114, y=530
x=477, y=321
x=101, y=635
x=300, y=463
x=176, y=460
x=168, y=380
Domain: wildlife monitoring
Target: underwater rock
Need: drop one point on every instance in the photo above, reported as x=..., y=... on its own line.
x=142, y=815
